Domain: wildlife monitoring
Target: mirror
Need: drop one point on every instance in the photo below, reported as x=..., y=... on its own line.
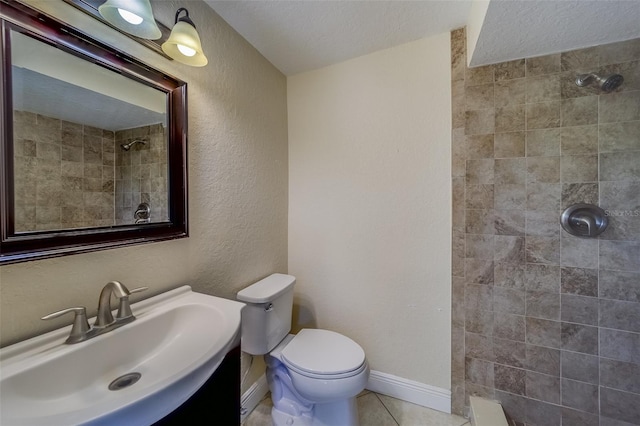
x=89, y=145
x=94, y=143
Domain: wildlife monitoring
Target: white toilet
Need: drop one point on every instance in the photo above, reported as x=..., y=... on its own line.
x=315, y=375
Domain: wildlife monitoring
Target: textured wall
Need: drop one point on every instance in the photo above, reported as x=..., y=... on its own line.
x=369, y=215
x=237, y=185
x=545, y=322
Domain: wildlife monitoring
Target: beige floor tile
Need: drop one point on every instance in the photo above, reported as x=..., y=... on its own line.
x=261, y=415
x=363, y=393
x=375, y=410
x=371, y=412
x=407, y=414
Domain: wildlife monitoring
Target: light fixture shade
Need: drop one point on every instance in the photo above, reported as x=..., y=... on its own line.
x=185, y=34
x=148, y=28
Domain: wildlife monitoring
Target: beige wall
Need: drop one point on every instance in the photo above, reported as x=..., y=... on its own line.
x=369, y=205
x=237, y=186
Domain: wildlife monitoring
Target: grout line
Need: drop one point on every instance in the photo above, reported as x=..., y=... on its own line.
x=385, y=407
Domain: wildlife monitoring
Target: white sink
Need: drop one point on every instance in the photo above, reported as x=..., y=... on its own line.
x=177, y=341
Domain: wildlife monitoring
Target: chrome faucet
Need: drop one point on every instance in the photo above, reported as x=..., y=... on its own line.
x=81, y=331
x=105, y=317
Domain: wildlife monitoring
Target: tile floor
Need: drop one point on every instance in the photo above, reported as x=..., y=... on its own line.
x=376, y=410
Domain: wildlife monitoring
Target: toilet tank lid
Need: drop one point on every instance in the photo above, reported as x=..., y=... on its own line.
x=267, y=289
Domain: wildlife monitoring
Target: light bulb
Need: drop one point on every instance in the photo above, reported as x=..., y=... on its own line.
x=131, y=18
x=186, y=51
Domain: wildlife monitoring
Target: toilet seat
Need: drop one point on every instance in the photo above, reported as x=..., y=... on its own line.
x=309, y=375
x=323, y=354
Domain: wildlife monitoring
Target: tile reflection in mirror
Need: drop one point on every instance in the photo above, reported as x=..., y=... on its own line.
x=70, y=170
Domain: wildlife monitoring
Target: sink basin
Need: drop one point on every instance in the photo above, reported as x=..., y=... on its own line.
x=177, y=341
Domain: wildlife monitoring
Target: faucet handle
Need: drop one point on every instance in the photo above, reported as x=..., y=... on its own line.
x=124, y=309
x=80, y=324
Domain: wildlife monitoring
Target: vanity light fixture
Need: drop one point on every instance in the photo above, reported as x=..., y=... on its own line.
x=183, y=44
x=132, y=16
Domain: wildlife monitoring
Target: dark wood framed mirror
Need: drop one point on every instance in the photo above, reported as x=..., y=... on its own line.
x=94, y=143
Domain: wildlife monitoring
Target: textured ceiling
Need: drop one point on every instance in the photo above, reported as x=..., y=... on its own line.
x=48, y=81
x=44, y=95
x=518, y=29
x=298, y=36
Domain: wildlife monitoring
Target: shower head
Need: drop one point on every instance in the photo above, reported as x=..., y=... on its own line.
x=127, y=146
x=607, y=84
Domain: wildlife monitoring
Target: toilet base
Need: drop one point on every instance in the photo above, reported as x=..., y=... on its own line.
x=343, y=412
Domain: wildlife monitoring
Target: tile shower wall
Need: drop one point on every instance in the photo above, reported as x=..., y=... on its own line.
x=546, y=323
x=141, y=173
x=69, y=175
x=64, y=174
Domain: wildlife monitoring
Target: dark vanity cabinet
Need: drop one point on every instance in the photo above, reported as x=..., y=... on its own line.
x=216, y=403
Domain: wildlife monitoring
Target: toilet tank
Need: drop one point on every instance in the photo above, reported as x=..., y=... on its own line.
x=266, y=319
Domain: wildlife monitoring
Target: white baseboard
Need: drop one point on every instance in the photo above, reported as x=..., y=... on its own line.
x=410, y=391
x=386, y=384
x=252, y=397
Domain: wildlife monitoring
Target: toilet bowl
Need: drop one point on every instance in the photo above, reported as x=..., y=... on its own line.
x=323, y=365
x=315, y=375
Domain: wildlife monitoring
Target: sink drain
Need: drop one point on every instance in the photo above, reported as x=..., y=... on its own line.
x=124, y=381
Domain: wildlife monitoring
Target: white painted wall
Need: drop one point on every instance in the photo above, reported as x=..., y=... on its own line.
x=370, y=205
x=237, y=185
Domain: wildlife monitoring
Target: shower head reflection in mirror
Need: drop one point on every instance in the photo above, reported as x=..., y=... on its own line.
x=127, y=146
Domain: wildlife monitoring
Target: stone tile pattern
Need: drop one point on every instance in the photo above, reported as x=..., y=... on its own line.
x=141, y=173
x=547, y=323
x=64, y=174
x=69, y=175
